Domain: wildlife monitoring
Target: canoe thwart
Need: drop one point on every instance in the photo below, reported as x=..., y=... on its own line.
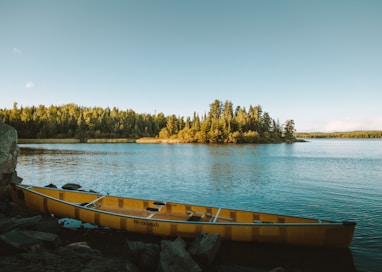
x=216, y=215
x=92, y=204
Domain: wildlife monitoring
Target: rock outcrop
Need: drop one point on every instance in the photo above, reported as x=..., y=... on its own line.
x=205, y=248
x=174, y=257
x=9, y=152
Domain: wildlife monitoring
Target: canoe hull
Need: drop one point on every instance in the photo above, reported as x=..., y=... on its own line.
x=303, y=233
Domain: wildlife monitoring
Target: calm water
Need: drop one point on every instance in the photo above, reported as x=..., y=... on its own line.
x=331, y=179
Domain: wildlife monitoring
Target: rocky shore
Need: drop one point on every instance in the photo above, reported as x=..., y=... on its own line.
x=34, y=242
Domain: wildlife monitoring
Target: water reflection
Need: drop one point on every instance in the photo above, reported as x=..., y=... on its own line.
x=221, y=176
x=32, y=151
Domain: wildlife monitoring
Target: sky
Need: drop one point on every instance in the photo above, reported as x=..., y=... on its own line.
x=318, y=63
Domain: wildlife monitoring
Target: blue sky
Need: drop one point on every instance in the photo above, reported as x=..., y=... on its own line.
x=316, y=62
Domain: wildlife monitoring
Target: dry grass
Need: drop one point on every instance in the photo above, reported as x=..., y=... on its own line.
x=116, y=140
x=149, y=140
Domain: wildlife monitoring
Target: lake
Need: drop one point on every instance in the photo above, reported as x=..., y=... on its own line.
x=335, y=179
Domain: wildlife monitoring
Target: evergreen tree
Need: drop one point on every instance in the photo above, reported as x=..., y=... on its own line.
x=289, y=131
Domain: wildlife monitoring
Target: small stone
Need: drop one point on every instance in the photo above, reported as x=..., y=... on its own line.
x=79, y=244
x=71, y=186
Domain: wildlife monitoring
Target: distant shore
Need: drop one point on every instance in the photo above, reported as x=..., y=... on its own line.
x=145, y=140
x=358, y=134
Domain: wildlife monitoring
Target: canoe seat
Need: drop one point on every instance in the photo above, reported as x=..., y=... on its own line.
x=194, y=218
x=153, y=211
x=159, y=203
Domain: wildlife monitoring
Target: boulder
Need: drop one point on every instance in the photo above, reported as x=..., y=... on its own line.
x=28, y=240
x=205, y=248
x=8, y=224
x=174, y=257
x=49, y=224
x=144, y=255
x=9, y=152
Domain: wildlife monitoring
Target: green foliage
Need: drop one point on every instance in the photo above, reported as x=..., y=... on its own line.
x=289, y=131
x=223, y=124
x=362, y=134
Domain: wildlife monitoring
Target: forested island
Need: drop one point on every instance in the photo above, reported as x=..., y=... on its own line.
x=222, y=124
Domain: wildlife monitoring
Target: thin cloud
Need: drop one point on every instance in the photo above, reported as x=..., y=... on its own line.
x=30, y=85
x=354, y=124
x=339, y=125
x=16, y=51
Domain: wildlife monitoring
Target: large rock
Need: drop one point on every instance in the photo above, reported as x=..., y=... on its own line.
x=8, y=224
x=30, y=240
x=205, y=248
x=144, y=255
x=9, y=152
x=174, y=257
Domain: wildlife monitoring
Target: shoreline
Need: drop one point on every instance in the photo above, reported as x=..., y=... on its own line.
x=144, y=140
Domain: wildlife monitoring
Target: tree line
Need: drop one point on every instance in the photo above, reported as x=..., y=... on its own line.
x=360, y=134
x=222, y=124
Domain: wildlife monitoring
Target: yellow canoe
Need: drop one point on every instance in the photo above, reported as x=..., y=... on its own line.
x=184, y=220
